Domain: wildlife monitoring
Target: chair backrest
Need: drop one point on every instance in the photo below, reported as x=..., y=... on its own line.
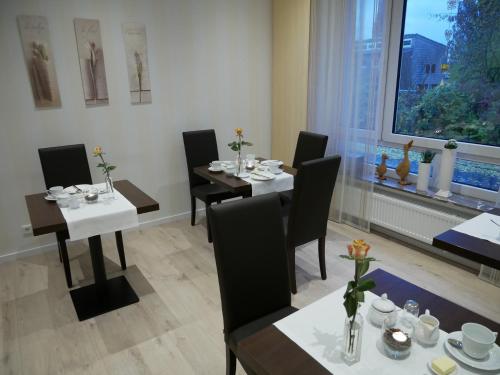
x=65, y=165
x=312, y=195
x=201, y=149
x=249, y=245
x=310, y=146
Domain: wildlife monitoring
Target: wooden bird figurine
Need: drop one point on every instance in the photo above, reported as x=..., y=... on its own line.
x=403, y=168
x=382, y=168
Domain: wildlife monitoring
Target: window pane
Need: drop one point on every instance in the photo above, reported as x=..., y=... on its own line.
x=449, y=75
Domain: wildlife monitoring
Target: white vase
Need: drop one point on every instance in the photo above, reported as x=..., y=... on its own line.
x=446, y=169
x=424, y=173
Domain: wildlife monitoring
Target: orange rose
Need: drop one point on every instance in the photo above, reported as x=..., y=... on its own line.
x=97, y=151
x=239, y=131
x=359, y=249
x=350, y=249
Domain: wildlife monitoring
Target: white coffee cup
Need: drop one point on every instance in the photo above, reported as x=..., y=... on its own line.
x=56, y=190
x=477, y=340
x=230, y=169
x=74, y=203
x=274, y=166
x=216, y=164
x=63, y=199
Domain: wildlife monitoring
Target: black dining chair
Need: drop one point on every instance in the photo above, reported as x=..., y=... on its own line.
x=253, y=273
x=310, y=146
x=307, y=218
x=201, y=149
x=66, y=166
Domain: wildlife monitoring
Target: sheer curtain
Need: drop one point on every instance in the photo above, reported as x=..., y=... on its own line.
x=348, y=49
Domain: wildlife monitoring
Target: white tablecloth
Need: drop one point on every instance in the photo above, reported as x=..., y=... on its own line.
x=104, y=216
x=481, y=227
x=282, y=182
x=318, y=330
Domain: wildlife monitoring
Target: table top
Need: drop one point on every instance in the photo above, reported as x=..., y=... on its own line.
x=475, y=249
x=234, y=184
x=270, y=351
x=46, y=217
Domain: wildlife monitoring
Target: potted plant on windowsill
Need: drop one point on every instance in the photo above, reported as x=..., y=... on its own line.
x=424, y=170
x=446, y=169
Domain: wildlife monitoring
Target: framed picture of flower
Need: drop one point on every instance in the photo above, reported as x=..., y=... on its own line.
x=91, y=57
x=34, y=31
x=136, y=53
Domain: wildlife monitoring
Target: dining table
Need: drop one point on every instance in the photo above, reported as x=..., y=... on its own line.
x=234, y=184
x=270, y=351
x=104, y=294
x=471, y=246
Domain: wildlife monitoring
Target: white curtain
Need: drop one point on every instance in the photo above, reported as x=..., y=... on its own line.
x=348, y=44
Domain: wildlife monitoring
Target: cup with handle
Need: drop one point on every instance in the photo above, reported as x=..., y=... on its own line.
x=477, y=340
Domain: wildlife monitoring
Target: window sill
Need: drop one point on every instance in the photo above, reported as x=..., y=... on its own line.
x=457, y=202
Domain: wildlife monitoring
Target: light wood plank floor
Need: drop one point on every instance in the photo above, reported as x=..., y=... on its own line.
x=176, y=328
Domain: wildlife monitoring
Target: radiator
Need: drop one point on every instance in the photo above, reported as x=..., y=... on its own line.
x=421, y=223
x=412, y=220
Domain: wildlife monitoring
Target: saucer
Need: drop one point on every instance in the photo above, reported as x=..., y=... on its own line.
x=490, y=363
x=429, y=366
x=242, y=175
x=50, y=198
x=215, y=170
x=268, y=162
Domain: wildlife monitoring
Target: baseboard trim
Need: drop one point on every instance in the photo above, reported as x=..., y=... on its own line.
x=142, y=225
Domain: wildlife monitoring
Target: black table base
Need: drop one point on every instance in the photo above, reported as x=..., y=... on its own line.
x=105, y=295
x=89, y=301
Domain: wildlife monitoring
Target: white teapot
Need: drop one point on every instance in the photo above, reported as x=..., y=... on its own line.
x=427, y=329
x=382, y=309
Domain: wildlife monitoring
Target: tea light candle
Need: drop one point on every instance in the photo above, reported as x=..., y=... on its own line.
x=399, y=336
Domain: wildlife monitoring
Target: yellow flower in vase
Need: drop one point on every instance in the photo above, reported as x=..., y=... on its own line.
x=236, y=145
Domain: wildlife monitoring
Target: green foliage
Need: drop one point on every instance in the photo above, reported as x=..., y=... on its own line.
x=451, y=144
x=467, y=106
x=427, y=156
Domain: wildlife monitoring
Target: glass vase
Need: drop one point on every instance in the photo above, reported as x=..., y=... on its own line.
x=238, y=162
x=353, y=335
x=109, y=186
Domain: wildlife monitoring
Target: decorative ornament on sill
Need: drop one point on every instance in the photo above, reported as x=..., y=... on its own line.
x=382, y=168
x=403, y=168
x=236, y=146
x=106, y=169
x=353, y=297
x=424, y=170
x=448, y=158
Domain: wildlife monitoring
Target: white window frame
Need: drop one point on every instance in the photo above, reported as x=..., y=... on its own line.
x=488, y=154
x=471, y=151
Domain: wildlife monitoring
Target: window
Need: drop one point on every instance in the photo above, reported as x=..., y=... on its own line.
x=448, y=77
x=442, y=82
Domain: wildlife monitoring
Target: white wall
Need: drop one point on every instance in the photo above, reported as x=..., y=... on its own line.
x=210, y=64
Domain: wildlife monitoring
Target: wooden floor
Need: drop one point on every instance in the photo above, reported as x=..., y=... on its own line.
x=176, y=328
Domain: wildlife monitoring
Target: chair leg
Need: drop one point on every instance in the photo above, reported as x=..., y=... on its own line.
x=291, y=270
x=65, y=259
x=230, y=361
x=193, y=210
x=121, y=251
x=209, y=231
x=321, y=255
